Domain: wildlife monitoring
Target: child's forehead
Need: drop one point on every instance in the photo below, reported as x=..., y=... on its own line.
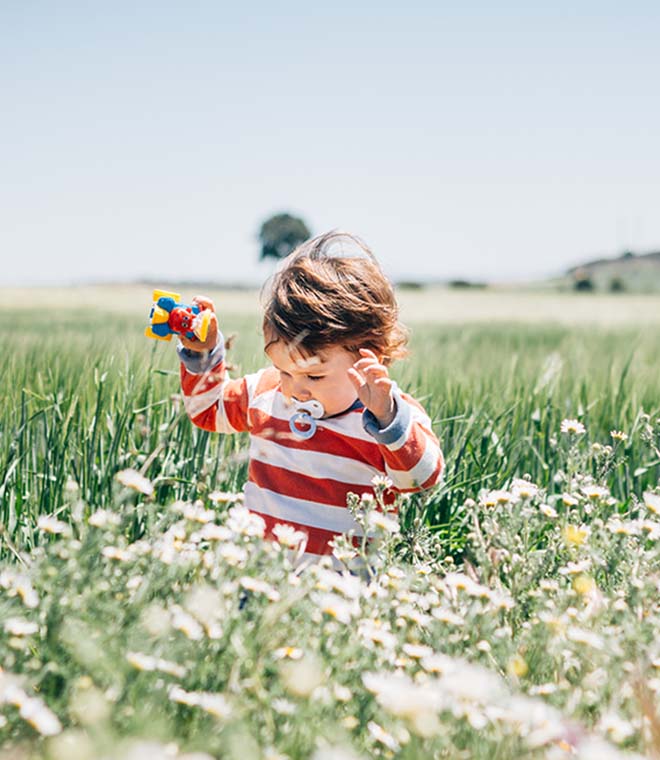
x=287, y=354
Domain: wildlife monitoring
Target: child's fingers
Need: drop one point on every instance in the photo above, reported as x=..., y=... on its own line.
x=211, y=338
x=204, y=302
x=375, y=371
x=356, y=378
x=370, y=370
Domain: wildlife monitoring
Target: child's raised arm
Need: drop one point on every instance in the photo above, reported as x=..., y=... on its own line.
x=212, y=400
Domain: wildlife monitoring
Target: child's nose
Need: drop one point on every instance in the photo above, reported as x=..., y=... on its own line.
x=300, y=390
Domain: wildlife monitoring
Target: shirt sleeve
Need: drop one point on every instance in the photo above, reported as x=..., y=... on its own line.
x=411, y=450
x=212, y=400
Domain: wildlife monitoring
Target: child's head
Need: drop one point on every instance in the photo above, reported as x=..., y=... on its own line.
x=331, y=292
x=322, y=306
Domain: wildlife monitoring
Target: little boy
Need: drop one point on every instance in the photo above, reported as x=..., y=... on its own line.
x=325, y=418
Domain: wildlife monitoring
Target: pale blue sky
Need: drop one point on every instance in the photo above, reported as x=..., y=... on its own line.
x=483, y=140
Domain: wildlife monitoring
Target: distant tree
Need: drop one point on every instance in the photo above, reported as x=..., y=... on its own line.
x=617, y=285
x=280, y=234
x=583, y=284
x=465, y=284
x=582, y=281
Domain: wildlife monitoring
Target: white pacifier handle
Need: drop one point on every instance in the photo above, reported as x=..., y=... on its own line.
x=306, y=414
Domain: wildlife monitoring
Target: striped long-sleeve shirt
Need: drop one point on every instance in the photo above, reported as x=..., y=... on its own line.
x=305, y=482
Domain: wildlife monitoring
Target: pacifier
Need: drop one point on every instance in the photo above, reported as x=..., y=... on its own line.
x=303, y=421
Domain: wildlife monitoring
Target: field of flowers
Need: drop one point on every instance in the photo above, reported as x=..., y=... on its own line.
x=513, y=613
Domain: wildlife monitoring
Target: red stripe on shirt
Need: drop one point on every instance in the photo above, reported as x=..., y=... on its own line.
x=408, y=455
x=326, y=491
x=317, y=538
x=193, y=385
x=324, y=440
x=235, y=394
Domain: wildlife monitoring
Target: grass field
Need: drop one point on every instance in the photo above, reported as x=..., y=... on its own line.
x=542, y=589
x=86, y=395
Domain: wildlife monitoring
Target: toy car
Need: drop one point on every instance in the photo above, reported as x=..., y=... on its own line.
x=169, y=316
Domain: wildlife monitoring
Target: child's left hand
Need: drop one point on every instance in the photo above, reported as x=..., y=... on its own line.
x=373, y=386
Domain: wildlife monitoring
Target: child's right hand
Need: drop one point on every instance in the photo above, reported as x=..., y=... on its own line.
x=212, y=336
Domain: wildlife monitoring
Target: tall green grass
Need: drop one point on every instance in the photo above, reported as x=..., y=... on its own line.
x=84, y=395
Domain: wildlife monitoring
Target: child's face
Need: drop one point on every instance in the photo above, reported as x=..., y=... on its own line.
x=323, y=377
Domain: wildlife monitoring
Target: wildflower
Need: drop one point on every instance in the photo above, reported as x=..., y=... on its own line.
x=283, y=706
x=548, y=511
x=342, y=694
x=617, y=729
x=246, y=523
x=182, y=621
x=373, y=631
x=197, y=513
x=35, y=712
x=114, y=552
x=652, y=528
x=349, y=586
x=573, y=427
x=288, y=536
x=213, y=532
x=575, y=535
x=214, y=704
x=224, y=497
x=145, y=662
x=403, y=698
x=103, y=518
x=383, y=522
x=543, y=689
x=447, y=616
x=574, y=568
x=524, y=489
x=568, y=500
x=20, y=627
x=381, y=481
x=618, y=527
x=133, y=479
x=417, y=651
x=50, y=524
x=517, y=666
x=595, y=493
x=465, y=681
x=652, y=502
x=22, y=586
x=302, y=677
x=233, y=555
x=583, y=584
x=582, y=636
x=408, y=612
x=436, y=663
x=260, y=587
x=498, y=497
x=350, y=722
x=462, y=582
x=337, y=607
x=380, y=735
x=291, y=653
x=619, y=435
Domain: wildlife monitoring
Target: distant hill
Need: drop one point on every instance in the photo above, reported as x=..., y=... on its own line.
x=638, y=273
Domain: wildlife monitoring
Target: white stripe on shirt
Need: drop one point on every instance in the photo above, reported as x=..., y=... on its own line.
x=308, y=462
x=421, y=472
x=336, y=519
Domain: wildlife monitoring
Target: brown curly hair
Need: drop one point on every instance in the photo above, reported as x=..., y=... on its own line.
x=321, y=297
